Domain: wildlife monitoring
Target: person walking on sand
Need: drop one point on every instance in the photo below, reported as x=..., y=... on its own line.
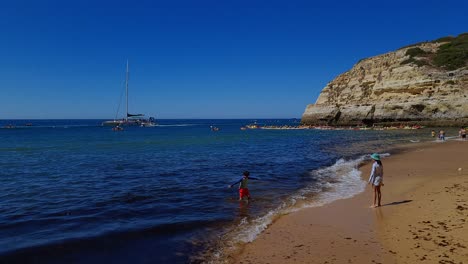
x=376, y=179
x=243, y=186
x=462, y=133
x=442, y=135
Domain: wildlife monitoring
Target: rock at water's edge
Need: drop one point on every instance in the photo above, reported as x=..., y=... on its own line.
x=387, y=89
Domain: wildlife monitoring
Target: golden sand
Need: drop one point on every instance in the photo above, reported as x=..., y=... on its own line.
x=423, y=218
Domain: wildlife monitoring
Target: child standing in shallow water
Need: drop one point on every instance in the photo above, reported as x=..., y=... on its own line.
x=243, y=186
x=376, y=179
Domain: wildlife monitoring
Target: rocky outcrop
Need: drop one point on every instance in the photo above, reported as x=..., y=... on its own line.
x=397, y=87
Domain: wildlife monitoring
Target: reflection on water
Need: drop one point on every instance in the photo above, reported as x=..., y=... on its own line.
x=244, y=207
x=379, y=215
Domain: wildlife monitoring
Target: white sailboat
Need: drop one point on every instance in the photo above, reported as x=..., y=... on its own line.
x=130, y=119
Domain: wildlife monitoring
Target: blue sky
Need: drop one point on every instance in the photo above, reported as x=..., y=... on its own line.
x=197, y=59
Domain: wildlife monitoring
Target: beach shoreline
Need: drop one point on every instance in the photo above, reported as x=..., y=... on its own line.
x=417, y=181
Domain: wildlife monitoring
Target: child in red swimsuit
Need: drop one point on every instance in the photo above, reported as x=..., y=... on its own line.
x=243, y=186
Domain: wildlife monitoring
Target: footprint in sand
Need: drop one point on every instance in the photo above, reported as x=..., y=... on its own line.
x=443, y=243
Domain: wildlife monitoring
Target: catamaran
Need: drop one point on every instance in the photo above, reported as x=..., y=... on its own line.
x=130, y=119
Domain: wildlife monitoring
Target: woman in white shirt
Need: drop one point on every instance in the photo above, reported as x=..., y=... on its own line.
x=376, y=179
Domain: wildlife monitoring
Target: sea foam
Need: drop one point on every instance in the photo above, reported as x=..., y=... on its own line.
x=342, y=180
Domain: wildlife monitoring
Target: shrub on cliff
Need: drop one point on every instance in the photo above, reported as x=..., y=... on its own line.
x=454, y=54
x=414, y=52
x=418, y=63
x=443, y=39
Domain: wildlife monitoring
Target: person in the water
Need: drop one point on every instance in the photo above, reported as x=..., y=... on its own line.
x=243, y=186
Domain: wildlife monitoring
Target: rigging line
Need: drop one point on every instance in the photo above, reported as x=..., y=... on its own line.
x=120, y=100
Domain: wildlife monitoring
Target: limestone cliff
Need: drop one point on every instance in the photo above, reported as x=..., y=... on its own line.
x=414, y=84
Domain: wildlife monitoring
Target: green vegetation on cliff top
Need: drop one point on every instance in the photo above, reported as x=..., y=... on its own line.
x=454, y=54
x=451, y=55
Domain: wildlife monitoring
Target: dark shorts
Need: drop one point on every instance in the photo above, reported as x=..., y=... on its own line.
x=464, y=136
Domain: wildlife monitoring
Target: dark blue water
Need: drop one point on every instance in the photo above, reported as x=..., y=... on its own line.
x=74, y=191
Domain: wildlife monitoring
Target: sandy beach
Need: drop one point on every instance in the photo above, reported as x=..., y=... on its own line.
x=422, y=220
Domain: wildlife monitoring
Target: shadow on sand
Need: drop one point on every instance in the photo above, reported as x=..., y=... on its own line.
x=397, y=203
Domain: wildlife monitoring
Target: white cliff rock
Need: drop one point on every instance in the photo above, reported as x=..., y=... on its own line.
x=383, y=89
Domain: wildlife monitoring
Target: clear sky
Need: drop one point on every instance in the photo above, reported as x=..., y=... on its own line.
x=197, y=59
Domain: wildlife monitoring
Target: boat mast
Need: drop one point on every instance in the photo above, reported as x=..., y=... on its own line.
x=126, y=89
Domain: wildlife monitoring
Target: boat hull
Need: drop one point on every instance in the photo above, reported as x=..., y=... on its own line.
x=139, y=122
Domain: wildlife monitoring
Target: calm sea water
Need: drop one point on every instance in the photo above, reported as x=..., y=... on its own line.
x=75, y=192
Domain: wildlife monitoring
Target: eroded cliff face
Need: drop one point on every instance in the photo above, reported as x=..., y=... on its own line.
x=383, y=89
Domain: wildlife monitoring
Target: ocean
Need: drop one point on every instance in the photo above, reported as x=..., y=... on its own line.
x=74, y=191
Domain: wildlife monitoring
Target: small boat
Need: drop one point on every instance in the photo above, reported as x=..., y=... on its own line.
x=213, y=128
x=148, y=123
x=131, y=119
x=117, y=128
x=253, y=126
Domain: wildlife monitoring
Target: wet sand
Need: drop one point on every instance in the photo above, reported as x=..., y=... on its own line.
x=422, y=220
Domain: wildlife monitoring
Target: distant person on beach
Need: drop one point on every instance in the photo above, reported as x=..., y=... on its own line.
x=243, y=186
x=442, y=135
x=376, y=179
x=462, y=133
x=433, y=133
